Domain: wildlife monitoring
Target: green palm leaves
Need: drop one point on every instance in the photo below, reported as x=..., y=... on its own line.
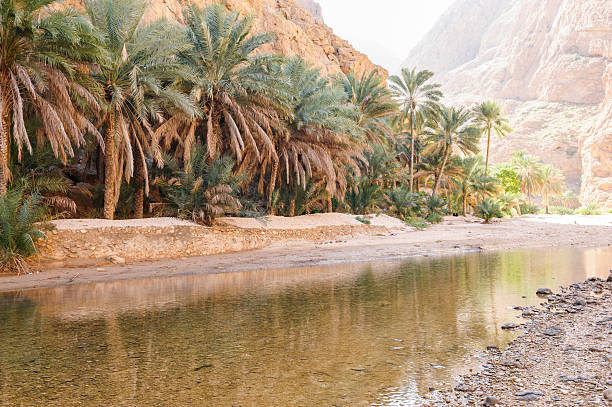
x=40, y=51
x=489, y=118
x=415, y=94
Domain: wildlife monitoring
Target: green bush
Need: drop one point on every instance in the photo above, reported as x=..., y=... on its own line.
x=18, y=230
x=488, y=209
x=589, y=209
x=560, y=210
x=434, y=218
x=530, y=209
x=363, y=220
x=417, y=223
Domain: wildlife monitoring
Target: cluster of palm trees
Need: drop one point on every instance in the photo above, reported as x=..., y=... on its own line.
x=193, y=116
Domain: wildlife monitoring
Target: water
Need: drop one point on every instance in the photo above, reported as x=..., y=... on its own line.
x=341, y=335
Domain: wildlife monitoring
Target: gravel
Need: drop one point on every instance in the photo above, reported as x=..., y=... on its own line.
x=564, y=357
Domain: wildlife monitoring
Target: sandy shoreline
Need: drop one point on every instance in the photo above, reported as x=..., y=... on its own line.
x=452, y=236
x=562, y=357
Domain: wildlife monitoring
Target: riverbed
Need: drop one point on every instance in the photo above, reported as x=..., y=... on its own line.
x=346, y=334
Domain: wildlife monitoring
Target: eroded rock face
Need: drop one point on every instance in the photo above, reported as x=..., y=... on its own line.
x=541, y=58
x=300, y=31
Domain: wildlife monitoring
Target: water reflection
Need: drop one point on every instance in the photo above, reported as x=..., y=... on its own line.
x=346, y=335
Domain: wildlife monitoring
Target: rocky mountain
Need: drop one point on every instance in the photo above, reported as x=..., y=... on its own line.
x=549, y=62
x=299, y=27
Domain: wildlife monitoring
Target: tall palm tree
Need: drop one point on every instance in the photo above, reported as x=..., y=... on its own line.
x=489, y=118
x=240, y=94
x=451, y=129
x=553, y=182
x=373, y=99
x=135, y=71
x=40, y=48
x=529, y=171
x=323, y=134
x=414, y=94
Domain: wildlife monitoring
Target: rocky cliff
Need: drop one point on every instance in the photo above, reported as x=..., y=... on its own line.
x=549, y=61
x=298, y=25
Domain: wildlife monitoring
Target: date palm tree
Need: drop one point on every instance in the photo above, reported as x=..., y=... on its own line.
x=489, y=118
x=529, y=171
x=323, y=133
x=240, y=94
x=40, y=48
x=135, y=72
x=451, y=129
x=553, y=182
x=414, y=93
x=371, y=96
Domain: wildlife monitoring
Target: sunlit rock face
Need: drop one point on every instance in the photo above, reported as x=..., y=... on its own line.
x=299, y=27
x=549, y=61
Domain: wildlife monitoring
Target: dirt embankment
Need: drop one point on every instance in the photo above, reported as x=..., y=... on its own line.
x=563, y=358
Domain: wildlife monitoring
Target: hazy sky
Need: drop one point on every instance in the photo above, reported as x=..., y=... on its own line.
x=385, y=30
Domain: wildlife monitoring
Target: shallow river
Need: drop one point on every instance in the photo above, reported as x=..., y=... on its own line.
x=337, y=335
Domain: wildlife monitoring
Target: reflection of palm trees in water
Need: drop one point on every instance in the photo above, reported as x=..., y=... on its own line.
x=278, y=337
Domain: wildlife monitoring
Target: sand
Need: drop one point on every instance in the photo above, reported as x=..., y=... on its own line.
x=455, y=234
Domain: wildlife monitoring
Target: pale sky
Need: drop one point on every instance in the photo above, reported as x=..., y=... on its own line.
x=385, y=30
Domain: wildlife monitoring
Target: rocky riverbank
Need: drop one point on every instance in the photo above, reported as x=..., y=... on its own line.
x=562, y=358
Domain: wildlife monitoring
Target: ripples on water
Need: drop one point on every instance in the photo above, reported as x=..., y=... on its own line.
x=341, y=335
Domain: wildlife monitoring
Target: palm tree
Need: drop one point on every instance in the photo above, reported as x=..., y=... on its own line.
x=137, y=65
x=553, y=182
x=323, y=132
x=529, y=172
x=240, y=94
x=40, y=48
x=414, y=94
x=489, y=118
x=451, y=128
x=373, y=99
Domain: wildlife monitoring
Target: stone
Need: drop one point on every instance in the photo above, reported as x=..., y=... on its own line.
x=509, y=325
x=580, y=301
x=607, y=394
x=554, y=331
x=491, y=401
x=463, y=388
x=544, y=291
x=116, y=259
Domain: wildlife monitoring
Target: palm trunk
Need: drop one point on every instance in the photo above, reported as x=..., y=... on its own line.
x=488, y=149
x=439, y=176
x=546, y=202
x=109, y=169
x=464, y=205
x=4, y=157
x=292, y=207
x=330, y=206
x=139, y=181
x=411, y=150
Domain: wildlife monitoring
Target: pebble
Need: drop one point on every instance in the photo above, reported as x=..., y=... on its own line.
x=608, y=394
x=490, y=401
x=554, y=331
x=544, y=291
x=509, y=325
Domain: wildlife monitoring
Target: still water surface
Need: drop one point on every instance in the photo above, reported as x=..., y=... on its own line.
x=338, y=335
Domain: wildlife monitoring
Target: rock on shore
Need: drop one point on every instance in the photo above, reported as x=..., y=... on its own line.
x=563, y=357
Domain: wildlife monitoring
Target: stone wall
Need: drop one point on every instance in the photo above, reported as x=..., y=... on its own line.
x=91, y=246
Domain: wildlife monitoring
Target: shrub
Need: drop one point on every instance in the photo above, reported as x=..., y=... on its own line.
x=589, y=209
x=417, y=223
x=434, y=218
x=488, y=209
x=363, y=220
x=561, y=210
x=18, y=231
x=204, y=191
x=530, y=209
x=404, y=203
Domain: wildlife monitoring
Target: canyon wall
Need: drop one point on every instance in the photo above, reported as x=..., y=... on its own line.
x=549, y=63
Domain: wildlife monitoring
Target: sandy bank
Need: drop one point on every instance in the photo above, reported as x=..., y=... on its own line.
x=562, y=358
x=240, y=249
